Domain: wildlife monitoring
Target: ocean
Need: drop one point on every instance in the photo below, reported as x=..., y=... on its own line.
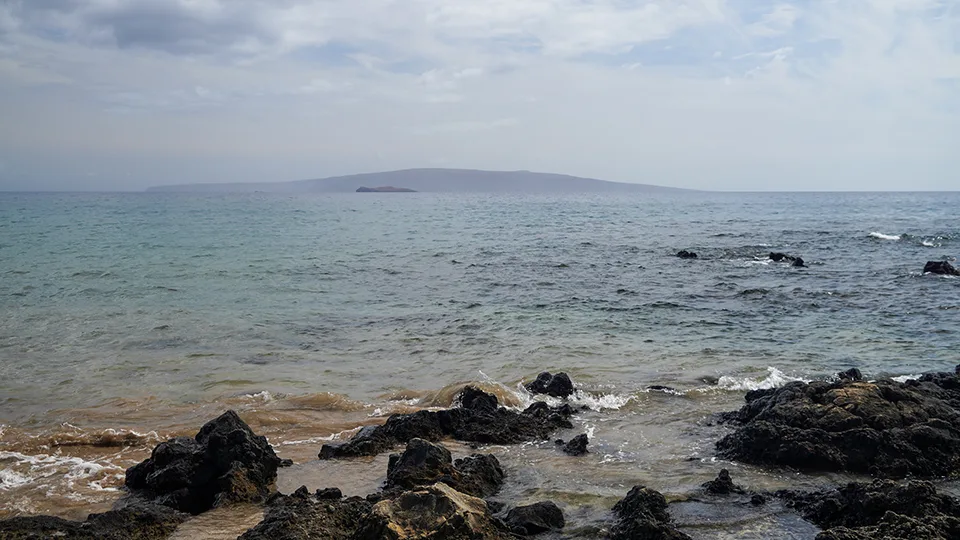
x=127, y=318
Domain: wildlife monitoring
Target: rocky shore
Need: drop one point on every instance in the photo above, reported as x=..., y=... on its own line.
x=904, y=434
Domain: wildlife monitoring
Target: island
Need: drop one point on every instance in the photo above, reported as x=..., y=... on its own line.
x=385, y=189
x=433, y=181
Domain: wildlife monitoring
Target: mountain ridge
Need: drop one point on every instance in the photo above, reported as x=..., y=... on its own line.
x=432, y=181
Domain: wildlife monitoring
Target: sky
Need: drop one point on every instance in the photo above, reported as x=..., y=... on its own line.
x=704, y=94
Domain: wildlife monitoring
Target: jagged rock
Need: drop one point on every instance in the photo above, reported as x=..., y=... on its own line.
x=684, y=254
x=882, y=509
x=723, y=484
x=884, y=428
x=329, y=494
x=135, y=521
x=852, y=374
x=301, y=516
x=940, y=267
x=225, y=462
x=475, y=420
x=558, y=385
x=642, y=515
x=535, y=518
x=424, y=463
x=437, y=512
x=577, y=446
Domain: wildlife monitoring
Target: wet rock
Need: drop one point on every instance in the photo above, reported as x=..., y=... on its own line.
x=661, y=388
x=301, y=517
x=881, y=509
x=642, y=514
x=757, y=499
x=852, y=374
x=558, y=385
x=474, y=421
x=684, y=254
x=437, y=512
x=886, y=428
x=798, y=263
x=329, y=494
x=535, y=518
x=424, y=463
x=722, y=485
x=940, y=267
x=135, y=521
x=225, y=462
x=577, y=445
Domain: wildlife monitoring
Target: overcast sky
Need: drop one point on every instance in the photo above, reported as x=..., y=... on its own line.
x=710, y=94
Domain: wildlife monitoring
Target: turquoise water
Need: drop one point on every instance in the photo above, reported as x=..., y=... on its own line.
x=150, y=311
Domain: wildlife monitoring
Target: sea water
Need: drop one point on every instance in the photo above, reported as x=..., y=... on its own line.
x=128, y=318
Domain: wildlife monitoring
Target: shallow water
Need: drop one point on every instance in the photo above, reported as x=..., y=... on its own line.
x=129, y=318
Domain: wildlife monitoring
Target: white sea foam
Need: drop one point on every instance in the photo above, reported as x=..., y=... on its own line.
x=882, y=236
x=905, y=378
x=929, y=243
x=774, y=378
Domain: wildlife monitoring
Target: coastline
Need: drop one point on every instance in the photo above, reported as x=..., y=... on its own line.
x=533, y=469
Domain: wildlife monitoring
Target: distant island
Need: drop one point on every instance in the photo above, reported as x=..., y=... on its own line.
x=385, y=189
x=432, y=181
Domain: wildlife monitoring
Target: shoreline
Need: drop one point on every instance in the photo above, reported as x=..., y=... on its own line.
x=363, y=476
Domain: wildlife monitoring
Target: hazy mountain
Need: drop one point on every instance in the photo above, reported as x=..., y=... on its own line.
x=434, y=181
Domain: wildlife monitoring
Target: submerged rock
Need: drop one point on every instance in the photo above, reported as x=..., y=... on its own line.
x=558, y=385
x=881, y=509
x=852, y=374
x=301, y=517
x=478, y=419
x=783, y=257
x=577, y=446
x=535, y=518
x=723, y=484
x=940, y=267
x=684, y=254
x=135, y=521
x=642, y=514
x=884, y=428
x=424, y=463
x=437, y=512
x=225, y=462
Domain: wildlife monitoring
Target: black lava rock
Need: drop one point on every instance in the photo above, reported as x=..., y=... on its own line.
x=225, y=462
x=684, y=254
x=558, y=385
x=642, y=514
x=476, y=420
x=886, y=428
x=424, y=463
x=577, y=445
x=722, y=485
x=940, y=267
x=138, y=520
x=535, y=518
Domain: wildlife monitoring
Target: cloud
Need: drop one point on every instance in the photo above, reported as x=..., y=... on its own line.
x=700, y=93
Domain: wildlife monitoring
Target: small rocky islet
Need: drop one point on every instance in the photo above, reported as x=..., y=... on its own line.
x=904, y=434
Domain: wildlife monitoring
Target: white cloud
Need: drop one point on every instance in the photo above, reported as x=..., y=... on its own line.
x=703, y=93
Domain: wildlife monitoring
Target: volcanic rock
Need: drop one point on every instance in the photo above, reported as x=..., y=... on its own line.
x=558, y=385
x=225, y=462
x=643, y=515
x=301, y=516
x=884, y=428
x=136, y=521
x=577, y=446
x=424, y=463
x=535, y=518
x=477, y=419
x=722, y=485
x=940, y=267
x=881, y=510
x=437, y=512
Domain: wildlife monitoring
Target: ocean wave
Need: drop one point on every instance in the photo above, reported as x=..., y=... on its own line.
x=882, y=236
x=23, y=469
x=773, y=379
